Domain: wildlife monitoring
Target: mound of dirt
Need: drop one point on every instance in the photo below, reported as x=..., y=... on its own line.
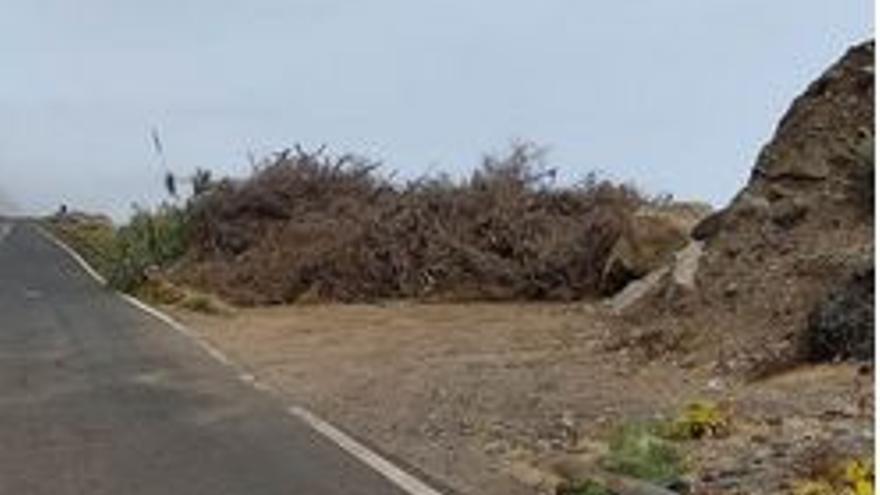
x=800, y=228
x=312, y=227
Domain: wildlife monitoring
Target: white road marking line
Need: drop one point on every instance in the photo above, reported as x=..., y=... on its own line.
x=73, y=254
x=171, y=322
x=386, y=468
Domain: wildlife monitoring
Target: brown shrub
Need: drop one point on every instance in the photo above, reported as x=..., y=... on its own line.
x=313, y=226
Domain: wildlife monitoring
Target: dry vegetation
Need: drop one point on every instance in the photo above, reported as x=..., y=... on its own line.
x=309, y=226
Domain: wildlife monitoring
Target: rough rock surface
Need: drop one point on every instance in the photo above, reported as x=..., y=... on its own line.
x=677, y=275
x=650, y=240
x=801, y=226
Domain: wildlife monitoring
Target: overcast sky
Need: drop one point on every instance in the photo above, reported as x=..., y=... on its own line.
x=675, y=95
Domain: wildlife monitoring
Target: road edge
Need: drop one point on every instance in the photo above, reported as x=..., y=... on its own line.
x=396, y=475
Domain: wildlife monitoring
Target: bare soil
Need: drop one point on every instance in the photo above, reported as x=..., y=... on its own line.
x=468, y=393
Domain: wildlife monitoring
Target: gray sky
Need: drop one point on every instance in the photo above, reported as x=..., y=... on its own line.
x=675, y=95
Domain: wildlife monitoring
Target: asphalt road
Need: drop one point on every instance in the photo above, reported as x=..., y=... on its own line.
x=97, y=397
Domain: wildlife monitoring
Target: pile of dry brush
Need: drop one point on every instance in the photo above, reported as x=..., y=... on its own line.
x=309, y=226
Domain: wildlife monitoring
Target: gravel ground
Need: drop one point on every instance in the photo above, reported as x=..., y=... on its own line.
x=467, y=393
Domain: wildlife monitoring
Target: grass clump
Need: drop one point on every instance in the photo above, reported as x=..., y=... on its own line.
x=637, y=450
x=157, y=290
x=648, y=450
x=151, y=239
x=848, y=477
x=93, y=237
x=699, y=419
x=124, y=255
x=202, y=303
x=859, y=476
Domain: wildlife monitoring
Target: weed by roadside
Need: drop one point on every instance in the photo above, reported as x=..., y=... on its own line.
x=637, y=450
x=650, y=455
x=699, y=419
x=842, y=477
x=93, y=238
x=150, y=239
x=203, y=303
x=124, y=255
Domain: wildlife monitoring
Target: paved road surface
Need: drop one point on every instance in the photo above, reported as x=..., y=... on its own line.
x=98, y=398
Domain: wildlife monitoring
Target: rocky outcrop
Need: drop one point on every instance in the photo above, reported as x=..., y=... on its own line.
x=649, y=241
x=678, y=273
x=820, y=154
x=793, y=235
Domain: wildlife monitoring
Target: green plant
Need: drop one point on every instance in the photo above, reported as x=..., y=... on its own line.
x=124, y=255
x=95, y=241
x=699, y=419
x=848, y=477
x=812, y=487
x=858, y=476
x=636, y=450
x=150, y=239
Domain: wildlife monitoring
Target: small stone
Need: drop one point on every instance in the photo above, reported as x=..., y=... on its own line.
x=715, y=384
x=731, y=289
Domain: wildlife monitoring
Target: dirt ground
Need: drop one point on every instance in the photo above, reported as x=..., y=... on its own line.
x=469, y=393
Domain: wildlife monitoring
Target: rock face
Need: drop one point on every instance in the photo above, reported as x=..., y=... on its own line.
x=799, y=228
x=822, y=150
